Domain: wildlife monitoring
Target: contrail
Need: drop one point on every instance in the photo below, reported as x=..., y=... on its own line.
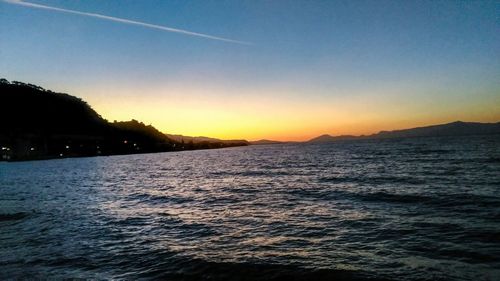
x=126, y=21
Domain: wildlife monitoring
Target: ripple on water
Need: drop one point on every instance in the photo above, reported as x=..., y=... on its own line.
x=420, y=209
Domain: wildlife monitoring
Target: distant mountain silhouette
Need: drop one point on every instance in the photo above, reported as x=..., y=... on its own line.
x=328, y=138
x=457, y=128
x=38, y=124
x=186, y=139
x=264, y=141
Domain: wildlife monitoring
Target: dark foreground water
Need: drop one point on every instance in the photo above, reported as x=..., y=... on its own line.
x=413, y=209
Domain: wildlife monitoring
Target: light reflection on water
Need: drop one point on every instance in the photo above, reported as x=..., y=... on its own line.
x=395, y=209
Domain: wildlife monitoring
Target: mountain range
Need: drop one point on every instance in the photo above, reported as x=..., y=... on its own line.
x=457, y=128
x=187, y=139
x=264, y=141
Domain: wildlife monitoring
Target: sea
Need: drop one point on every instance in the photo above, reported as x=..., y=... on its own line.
x=395, y=209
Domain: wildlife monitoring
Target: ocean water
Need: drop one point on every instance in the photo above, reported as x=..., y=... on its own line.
x=408, y=209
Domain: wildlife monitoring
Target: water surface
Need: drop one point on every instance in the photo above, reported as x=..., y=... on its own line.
x=409, y=209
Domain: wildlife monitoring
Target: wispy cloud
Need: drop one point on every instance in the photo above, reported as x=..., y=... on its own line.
x=125, y=21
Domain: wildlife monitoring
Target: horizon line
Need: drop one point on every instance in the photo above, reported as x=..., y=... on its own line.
x=374, y=133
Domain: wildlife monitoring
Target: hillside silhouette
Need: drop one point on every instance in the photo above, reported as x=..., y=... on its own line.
x=456, y=129
x=265, y=141
x=38, y=124
x=200, y=139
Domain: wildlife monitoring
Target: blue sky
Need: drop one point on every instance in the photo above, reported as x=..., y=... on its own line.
x=390, y=64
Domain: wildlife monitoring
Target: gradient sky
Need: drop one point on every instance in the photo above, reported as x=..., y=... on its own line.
x=312, y=67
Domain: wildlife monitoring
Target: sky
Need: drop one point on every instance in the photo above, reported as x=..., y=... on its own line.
x=283, y=70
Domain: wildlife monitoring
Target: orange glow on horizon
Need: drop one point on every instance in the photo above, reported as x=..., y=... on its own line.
x=276, y=116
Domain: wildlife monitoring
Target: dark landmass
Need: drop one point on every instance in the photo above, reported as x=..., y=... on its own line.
x=328, y=138
x=264, y=141
x=457, y=128
x=181, y=138
x=40, y=124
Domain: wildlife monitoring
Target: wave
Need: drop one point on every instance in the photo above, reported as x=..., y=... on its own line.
x=453, y=202
x=376, y=180
x=492, y=160
x=394, y=197
x=432, y=151
x=159, y=199
x=197, y=269
x=13, y=216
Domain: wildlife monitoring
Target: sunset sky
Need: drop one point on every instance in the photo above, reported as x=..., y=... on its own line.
x=284, y=70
